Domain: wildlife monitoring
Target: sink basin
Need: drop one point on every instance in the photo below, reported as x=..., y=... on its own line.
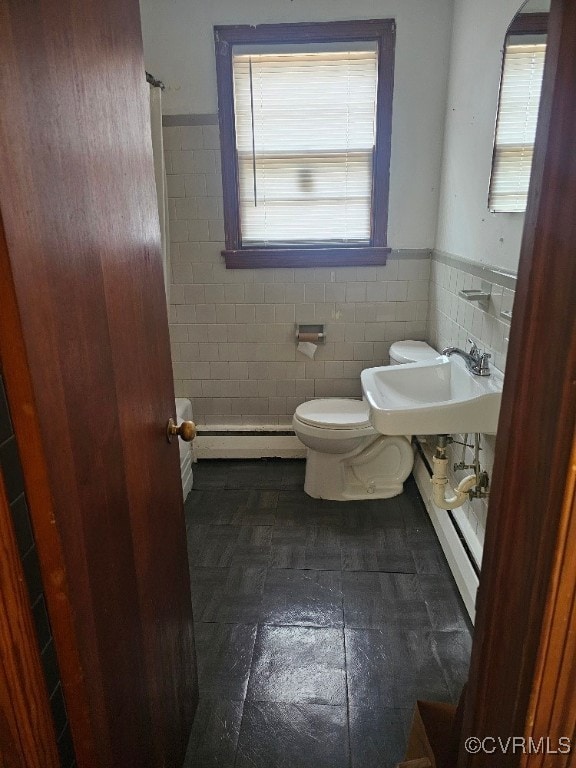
x=438, y=396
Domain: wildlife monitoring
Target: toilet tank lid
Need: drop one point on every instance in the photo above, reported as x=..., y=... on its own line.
x=411, y=351
x=334, y=413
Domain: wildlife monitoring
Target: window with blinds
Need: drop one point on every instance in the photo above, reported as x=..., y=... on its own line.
x=305, y=137
x=305, y=113
x=516, y=125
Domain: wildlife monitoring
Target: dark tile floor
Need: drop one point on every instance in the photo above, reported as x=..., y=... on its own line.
x=318, y=623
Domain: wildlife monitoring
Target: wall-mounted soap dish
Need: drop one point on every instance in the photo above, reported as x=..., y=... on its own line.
x=479, y=295
x=474, y=294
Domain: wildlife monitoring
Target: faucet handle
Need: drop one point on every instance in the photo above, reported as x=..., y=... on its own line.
x=474, y=351
x=484, y=365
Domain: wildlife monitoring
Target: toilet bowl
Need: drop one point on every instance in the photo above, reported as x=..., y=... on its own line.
x=346, y=458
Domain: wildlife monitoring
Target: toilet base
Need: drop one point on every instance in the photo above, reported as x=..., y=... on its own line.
x=374, y=471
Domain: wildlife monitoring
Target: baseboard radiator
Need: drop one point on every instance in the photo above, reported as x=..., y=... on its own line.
x=247, y=442
x=458, y=554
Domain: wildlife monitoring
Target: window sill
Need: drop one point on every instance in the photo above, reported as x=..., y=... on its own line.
x=366, y=256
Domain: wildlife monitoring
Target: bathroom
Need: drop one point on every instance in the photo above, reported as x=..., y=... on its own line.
x=318, y=621
x=236, y=357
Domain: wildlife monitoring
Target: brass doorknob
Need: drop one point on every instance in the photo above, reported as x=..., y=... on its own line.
x=186, y=431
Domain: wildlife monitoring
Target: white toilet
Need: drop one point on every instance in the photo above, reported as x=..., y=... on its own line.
x=347, y=459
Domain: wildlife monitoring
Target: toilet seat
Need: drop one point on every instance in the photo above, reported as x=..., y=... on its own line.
x=335, y=413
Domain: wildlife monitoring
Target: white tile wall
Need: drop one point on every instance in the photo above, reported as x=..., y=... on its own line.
x=232, y=331
x=452, y=321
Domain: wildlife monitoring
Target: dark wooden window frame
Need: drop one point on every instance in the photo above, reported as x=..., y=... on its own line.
x=381, y=31
x=528, y=24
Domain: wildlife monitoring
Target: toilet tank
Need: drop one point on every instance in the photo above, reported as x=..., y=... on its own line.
x=411, y=352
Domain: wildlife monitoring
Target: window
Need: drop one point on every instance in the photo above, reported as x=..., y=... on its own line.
x=520, y=87
x=305, y=123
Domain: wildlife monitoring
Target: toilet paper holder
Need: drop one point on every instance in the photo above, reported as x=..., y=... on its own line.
x=310, y=332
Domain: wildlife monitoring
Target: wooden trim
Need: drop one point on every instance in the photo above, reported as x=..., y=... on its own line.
x=383, y=31
x=529, y=24
x=26, y=729
x=247, y=258
x=26, y=423
x=555, y=680
x=525, y=610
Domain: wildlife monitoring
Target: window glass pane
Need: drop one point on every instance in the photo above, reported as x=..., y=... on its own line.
x=305, y=132
x=516, y=126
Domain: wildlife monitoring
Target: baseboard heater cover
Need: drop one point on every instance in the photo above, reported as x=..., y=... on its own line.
x=247, y=442
x=458, y=555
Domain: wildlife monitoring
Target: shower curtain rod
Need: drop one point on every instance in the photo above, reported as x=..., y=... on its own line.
x=153, y=81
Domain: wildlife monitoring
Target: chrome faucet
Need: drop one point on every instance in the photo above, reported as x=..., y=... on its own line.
x=476, y=361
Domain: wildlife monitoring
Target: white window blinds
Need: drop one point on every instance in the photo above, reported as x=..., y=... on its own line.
x=516, y=126
x=305, y=134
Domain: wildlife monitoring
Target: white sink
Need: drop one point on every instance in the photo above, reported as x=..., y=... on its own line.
x=438, y=396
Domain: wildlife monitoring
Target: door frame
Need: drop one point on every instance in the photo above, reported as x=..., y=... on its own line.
x=523, y=669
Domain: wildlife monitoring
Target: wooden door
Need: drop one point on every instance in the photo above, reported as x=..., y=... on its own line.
x=523, y=670
x=85, y=351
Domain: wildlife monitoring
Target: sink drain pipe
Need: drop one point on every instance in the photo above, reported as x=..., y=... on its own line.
x=440, y=480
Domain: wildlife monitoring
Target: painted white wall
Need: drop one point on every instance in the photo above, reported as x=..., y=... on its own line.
x=466, y=228
x=179, y=49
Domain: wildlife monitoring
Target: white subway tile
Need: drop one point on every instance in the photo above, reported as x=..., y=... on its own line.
x=365, y=312
x=283, y=275
x=178, y=333
x=228, y=351
x=356, y=292
x=175, y=186
x=198, y=230
x=245, y=313
x=275, y=293
x=237, y=333
x=195, y=294
x=376, y=292
x=284, y=313
x=255, y=332
x=189, y=351
x=217, y=332
x=182, y=161
x=344, y=313
x=178, y=231
x=171, y=138
x=203, y=161
x=203, y=273
x=355, y=332
x=211, y=136
x=335, y=292
x=191, y=137
x=344, y=350
x=397, y=290
x=205, y=313
x=186, y=313
x=324, y=312
x=314, y=293
x=286, y=388
x=239, y=370
x=277, y=405
x=234, y=293
x=199, y=370
x=216, y=230
x=248, y=388
x=225, y=313
x=364, y=350
x=294, y=293
x=209, y=208
x=418, y=290
x=195, y=184
x=254, y=293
